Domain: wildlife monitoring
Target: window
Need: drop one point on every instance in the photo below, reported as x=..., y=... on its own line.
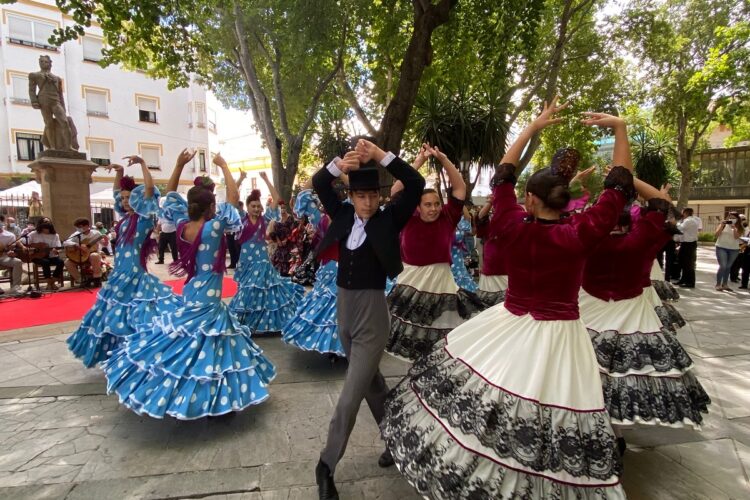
x=253, y=183
x=147, y=109
x=212, y=120
x=92, y=49
x=32, y=33
x=20, y=84
x=201, y=161
x=99, y=151
x=28, y=146
x=151, y=155
x=200, y=115
x=96, y=102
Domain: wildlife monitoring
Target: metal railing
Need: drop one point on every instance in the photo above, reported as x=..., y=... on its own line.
x=719, y=192
x=17, y=206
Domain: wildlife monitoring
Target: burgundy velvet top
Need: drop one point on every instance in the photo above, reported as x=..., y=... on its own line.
x=546, y=259
x=614, y=271
x=332, y=252
x=425, y=243
x=494, y=262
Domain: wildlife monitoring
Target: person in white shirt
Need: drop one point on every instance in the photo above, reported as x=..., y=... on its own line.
x=8, y=260
x=688, y=252
x=727, y=247
x=44, y=242
x=167, y=237
x=80, y=239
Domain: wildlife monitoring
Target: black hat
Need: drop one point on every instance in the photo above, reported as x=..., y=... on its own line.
x=364, y=179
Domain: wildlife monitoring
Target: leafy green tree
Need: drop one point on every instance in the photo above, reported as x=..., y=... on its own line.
x=694, y=57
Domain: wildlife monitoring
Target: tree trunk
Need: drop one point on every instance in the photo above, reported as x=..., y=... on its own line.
x=683, y=163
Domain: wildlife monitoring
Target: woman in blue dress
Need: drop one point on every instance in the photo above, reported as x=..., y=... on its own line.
x=458, y=254
x=197, y=359
x=265, y=300
x=313, y=327
x=131, y=295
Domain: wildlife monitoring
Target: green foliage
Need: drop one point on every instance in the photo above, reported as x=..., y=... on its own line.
x=707, y=237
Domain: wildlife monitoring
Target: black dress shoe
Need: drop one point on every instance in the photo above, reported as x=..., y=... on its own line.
x=326, y=486
x=160, y=262
x=683, y=285
x=621, y=446
x=386, y=459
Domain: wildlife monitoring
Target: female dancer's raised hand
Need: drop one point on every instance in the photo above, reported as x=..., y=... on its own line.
x=602, y=120
x=547, y=116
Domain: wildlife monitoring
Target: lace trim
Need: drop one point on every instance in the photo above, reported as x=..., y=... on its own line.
x=621, y=354
x=423, y=308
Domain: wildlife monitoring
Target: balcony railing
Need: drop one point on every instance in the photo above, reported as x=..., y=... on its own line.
x=719, y=192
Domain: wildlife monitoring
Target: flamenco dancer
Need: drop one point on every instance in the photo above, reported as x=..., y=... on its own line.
x=645, y=371
x=493, y=277
x=508, y=405
x=131, y=295
x=426, y=302
x=459, y=252
x=313, y=326
x=367, y=239
x=265, y=301
x=197, y=359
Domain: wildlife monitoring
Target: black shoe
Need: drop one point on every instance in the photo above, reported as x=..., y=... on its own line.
x=160, y=262
x=326, y=486
x=743, y=287
x=621, y=446
x=386, y=459
x=683, y=285
x=96, y=283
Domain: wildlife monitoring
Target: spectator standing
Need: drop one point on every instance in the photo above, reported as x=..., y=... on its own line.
x=727, y=247
x=687, y=253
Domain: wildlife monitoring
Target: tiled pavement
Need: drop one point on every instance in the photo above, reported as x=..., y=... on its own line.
x=62, y=437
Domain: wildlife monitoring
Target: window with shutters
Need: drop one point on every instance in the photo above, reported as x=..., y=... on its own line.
x=99, y=151
x=20, y=89
x=212, y=120
x=147, y=107
x=28, y=146
x=30, y=32
x=96, y=102
x=253, y=183
x=200, y=115
x=151, y=154
x=202, y=161
x=92, y=48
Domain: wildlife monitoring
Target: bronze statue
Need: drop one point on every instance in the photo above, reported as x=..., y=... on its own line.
x=59, y=130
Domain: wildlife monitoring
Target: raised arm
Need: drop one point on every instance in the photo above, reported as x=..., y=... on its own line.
x=274, y=192
x=458, y=185
x=148, y=181
x=322, y=181
x=182, y=159
x=621, y=155
x=545, y=119
x=422, y=156
x=241, y=179
x=119, y=170
x=233, y=193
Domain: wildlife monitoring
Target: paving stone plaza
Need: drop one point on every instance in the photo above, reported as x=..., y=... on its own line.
x=61, y=436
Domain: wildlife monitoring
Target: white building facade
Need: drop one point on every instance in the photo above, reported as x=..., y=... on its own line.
x=117, y=112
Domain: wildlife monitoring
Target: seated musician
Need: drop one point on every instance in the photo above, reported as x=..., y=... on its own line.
x=82, y=249
x=8, y=260
x=42, y=246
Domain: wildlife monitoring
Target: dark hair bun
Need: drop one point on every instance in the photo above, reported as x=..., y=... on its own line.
x=127, y=183
x=254, y=195
x=558, y=197
x=565, y=162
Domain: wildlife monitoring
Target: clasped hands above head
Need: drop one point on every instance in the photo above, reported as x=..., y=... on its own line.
x=361, y=154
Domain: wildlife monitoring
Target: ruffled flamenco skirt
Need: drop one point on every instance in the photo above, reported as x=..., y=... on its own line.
x=460, y=274
x=265, y=301
x=505, y=407
x=190, y=363
x=664, y=289
x=314, y=327
x=126, y=299
x=646, y=374
x=492, y=289
x=668, y=314
x=426, y=304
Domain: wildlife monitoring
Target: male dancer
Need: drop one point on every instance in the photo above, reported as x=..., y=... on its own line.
x=369, y=251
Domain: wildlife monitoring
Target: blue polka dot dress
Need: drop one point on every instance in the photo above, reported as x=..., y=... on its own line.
x=131, y=295
x=313, y=327
x=197, y=359
x=265, y=300
x=458, y=253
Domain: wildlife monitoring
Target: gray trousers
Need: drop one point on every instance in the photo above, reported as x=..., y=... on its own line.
x=15, y=266
x=364, y=327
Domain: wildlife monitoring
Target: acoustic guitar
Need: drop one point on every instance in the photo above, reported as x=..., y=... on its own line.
x=81, y=255
x=34, y=251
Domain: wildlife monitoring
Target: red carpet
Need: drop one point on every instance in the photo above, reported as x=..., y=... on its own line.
x=67, y=306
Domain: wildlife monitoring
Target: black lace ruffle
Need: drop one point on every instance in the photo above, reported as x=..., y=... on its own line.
x=423, y=308
x=542, y=438
x=670, y=317
x=651, y=399
x=665, y=290
x=412, y=341
x=638, y=351
x=491, y=298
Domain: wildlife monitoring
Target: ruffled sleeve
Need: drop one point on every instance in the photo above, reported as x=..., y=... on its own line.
x=118, y=204
x=228, y=217
x=145, y=207
x=174, y=208
x=307, y=204
x=272, y=214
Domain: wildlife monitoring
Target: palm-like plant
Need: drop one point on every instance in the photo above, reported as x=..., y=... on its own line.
x=654, y=154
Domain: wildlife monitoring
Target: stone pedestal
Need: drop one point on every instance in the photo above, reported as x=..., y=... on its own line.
x=65, y=178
